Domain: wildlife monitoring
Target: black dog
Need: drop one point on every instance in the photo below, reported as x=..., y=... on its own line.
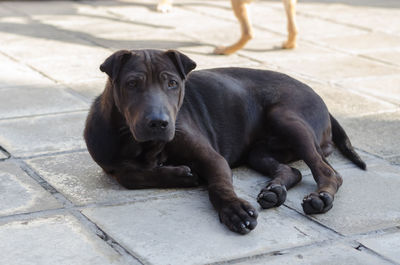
x=155, y=124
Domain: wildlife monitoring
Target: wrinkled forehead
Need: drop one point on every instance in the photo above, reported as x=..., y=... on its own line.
x=150, y=63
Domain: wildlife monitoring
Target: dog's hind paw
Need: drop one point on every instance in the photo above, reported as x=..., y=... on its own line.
x=273, y=195
x=289, y=45
x=317, y=203
x=164, y=7
x=239, y=216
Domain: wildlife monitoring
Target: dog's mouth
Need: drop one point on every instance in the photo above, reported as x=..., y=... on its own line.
x=141, y=134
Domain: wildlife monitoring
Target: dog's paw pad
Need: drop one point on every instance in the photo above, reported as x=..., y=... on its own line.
x=239, y=216
x=273, y=195
x=317, y=203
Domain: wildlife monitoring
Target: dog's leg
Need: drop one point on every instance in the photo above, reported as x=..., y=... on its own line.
x=290, y=8
x=295, y=131
x=283, y=177
x=164, y=6
x=132, y=177
x=241, y=10
x=237, y=214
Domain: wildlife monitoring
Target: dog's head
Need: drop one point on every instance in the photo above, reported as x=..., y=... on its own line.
x=147, y=88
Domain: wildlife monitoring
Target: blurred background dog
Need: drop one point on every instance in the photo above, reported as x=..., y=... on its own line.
x=241, y=10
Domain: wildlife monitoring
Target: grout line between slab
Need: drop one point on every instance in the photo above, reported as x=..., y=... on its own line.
x=128, y=255
x=45, y=114
x=361, y=247
x=286, y=251
x=5, y=152
x=65, y=87
x=69, y=207
x=81, y=150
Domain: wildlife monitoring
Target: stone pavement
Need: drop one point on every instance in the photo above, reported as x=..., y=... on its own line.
x=56, y=205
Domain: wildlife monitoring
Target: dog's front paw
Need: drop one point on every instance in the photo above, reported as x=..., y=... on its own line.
x=273, y=195
x=317, y=203
x=239, y=216
x=187, y=177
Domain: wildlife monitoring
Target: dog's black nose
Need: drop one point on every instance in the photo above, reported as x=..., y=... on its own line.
x=160, y=122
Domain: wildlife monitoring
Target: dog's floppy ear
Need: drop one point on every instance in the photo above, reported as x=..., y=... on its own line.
x=112, y=65
x=183, y=63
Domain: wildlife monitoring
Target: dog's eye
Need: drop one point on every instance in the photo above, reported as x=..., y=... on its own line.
x=132, y=83
x=172, y=84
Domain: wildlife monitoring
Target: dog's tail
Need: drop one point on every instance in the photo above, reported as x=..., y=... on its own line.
x=342, y=142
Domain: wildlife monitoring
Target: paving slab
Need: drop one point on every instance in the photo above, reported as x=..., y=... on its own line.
x=47, y=40
x=310, y=27
x=387, y=245
x=376, y=16
x=367, y=201
x=391, y=56
x=59, y=239
x=204, y=58
x=145, y=13
x=26, y=101
x=376, y=134
x=343, y=102
x=89, y=88
x=19, y=193
x=368, y=42
x=394, y=160
x=95, y=23
x=267, y=49
x=87, y=183
x=11, y=72
x=385, y=87
x=42, y=8
x=321, y=254
x=334, y=67
x=156, y=39
x=215, y=9
x=186, y=230
x=33, y=136
x=3, y=155
x=52, y=46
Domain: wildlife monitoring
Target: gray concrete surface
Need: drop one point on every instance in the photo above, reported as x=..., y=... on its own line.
x=58, y=207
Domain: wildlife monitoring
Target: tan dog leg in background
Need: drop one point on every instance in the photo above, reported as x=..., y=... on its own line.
x=241, y=10
x=164, y=6
x=290, y=8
